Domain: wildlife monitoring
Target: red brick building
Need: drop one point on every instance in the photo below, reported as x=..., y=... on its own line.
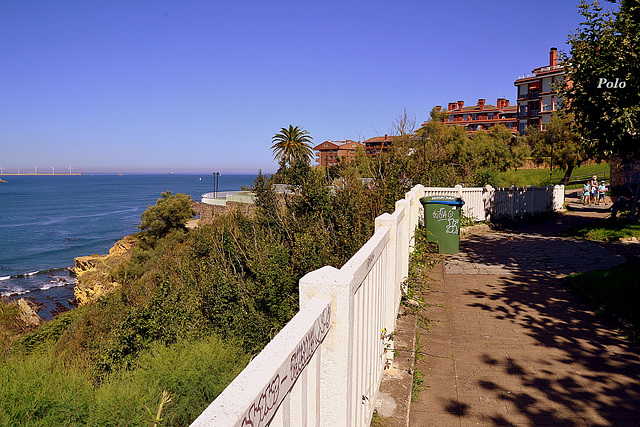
x=481, y=116
x=327, y=152
x=537, y=99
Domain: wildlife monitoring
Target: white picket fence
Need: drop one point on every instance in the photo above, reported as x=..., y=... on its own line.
x=325, y=367
x=484, y=203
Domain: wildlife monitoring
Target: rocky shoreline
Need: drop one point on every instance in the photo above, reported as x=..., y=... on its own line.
x=93, y=271
x=92, y=282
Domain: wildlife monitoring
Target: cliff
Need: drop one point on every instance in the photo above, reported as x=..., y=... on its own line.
x=94, y=271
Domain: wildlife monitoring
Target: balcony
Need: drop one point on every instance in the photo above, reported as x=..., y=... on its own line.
x=534, y=113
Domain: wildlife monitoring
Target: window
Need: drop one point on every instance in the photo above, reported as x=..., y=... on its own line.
x=490, y=116
x=450, y=118
x=523, y=110
x=475, y=117
x=546, y=84
x=522, y=91
x=522, y=126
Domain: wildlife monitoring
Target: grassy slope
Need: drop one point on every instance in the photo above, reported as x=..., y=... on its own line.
x=523, y=177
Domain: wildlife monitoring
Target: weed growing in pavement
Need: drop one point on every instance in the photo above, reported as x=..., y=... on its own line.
x=421, y=262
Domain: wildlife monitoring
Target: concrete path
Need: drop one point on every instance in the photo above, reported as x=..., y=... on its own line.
x=507, y=345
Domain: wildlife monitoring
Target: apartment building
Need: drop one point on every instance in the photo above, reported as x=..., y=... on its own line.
x=537, y=99
x=482, y=116
x=327, y=152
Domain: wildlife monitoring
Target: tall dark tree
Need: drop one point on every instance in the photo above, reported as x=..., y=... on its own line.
x=292, y=144
x=603, y=68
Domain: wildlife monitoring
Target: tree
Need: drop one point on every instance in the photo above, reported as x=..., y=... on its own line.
x=292, y=144
x=171, y=212
x=561, y=143
x=603, y=67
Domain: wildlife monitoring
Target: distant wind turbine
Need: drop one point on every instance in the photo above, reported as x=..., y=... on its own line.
x=1, y=170
x=35, y=168
x=53, y=170
x=70, y=168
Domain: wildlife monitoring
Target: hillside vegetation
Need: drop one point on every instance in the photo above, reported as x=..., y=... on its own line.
x=192, y=308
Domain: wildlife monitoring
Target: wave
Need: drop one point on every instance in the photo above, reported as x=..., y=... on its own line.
x=32, y=273
x=19, y=276
x=69, y=218
x=55, y=283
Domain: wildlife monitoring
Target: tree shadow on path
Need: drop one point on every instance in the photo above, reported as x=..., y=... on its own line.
x=524, y=351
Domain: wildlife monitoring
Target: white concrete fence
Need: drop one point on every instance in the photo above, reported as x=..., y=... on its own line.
x=325, y=367
x=484, y=203
x=221, y=198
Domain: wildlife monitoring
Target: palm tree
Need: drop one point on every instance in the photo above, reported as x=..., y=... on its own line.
x=292, y=144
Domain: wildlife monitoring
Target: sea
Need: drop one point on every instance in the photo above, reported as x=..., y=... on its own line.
x=47, y=221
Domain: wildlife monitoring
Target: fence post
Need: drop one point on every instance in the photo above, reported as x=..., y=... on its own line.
x=512, y=202
x=407, y=238
x=392, y=273
x=420, y=190
x=487, y=201
x=458, y=188
x=336, y=404
x=532, y=188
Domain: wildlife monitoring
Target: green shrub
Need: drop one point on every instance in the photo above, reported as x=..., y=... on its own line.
x=193, y=372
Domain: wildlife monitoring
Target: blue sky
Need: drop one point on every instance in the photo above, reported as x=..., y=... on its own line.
x=141, y=86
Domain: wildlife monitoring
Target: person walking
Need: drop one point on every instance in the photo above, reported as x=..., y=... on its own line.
x=602, y=190
x=594, y=189
x=586, y=193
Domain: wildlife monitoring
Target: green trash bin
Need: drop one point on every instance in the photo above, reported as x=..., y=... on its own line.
x=442, y=219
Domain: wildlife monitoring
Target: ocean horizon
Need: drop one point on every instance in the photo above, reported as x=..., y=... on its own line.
x=46, y=222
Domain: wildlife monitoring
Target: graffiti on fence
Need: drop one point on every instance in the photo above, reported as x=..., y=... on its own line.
x=300, y=358
x=266, y=405
x=259, y=412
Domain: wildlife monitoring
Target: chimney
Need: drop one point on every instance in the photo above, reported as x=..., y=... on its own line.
x=481, y=102
x=500, y=103
x=506, y=103
x=553, y=57
x=438, y=108
x=460, y=105
x=452, y=106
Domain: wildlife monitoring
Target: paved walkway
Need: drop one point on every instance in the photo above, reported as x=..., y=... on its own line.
x=508, y=346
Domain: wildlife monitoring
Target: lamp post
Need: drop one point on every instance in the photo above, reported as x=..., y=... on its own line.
x=553, y=137
x=216, y=180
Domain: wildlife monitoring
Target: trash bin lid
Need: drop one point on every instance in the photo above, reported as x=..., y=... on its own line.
x=442, y=200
